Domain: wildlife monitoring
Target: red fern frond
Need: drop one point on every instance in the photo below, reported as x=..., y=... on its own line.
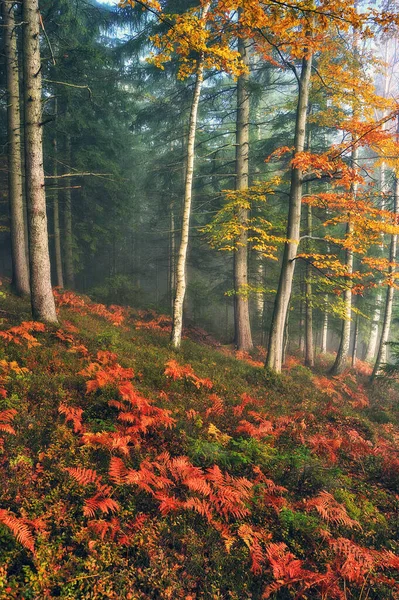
x=331, y=511
x=200, y=506
x=84, y=476
x=251, y=538
x=117, y=470
x=99, y=502
x=19, y=529
x=103, y=528
x=112, y=440
x=72, y=414
x=217, y=406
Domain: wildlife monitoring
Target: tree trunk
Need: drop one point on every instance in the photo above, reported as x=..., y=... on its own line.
x=56, y=212
x=172, y=255
x=68, y=236
x=376, y=316
x=324, y=331
x=309, y=346
x=42, y=299
x=386, y=325
x=355, y=342
x=276, y=340
x=260, y=300
x=243, y=336
x=20, y=271
x=177, y=324
x=343, y=350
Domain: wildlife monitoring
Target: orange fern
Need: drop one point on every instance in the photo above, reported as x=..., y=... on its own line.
x=19, y=529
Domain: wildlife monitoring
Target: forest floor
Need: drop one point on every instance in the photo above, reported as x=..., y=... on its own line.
x=131, y=471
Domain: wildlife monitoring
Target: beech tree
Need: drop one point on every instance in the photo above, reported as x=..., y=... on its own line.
x=276, y=340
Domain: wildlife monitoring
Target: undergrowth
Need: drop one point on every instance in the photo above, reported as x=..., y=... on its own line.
x=131, y=471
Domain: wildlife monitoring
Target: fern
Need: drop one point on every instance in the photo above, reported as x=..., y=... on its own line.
x=6, y=417
x=117, y=470
x=84, y=476
x=100, y=501
x=331, y=511
x=19, y=529
x=73, y=415
x=112, y=440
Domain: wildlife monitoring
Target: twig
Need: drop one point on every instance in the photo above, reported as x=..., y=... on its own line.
x=47, y=40
x=77, y=175
x=74, y=85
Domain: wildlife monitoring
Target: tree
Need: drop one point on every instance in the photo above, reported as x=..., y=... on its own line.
x=42, y=299
x=20, y=278
x=177, y=326
x=243, y=337
x=276, y=340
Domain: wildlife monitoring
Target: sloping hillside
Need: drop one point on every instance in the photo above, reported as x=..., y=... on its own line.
x=131, y=471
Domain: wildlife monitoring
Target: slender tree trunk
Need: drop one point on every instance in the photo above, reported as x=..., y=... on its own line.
x=56, y=212
x=355, y=342
x=309, y=346
x=276, y=340
x=243, y=336
x=343, y=350
x=376, y=316
x=20, y=276
x=42, y=299
x=324, y=331
x=260, y=301
x=177, y=325
x=386, y=325
x=68, y=235
x=301, y=314
x=172, y=255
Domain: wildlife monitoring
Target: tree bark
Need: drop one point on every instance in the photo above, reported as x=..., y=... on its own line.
x=42, y=299
x=343, y=350
x=177, y=324
x=243, y=336
x=324, y=332
x=355, y=342
x=56, y=213
x=68, y=235
x=172, y=255
x=386, y=325
x=20, y=271
x=376, y=316
x=309, y=346
x=276, y=340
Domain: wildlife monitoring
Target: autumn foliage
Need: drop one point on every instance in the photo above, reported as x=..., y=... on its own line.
x=186, y=476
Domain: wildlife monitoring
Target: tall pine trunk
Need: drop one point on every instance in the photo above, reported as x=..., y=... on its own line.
x=56, y=211
x=386, y=325
x=20, y=271
x=243, y=336
x=276, y=340
x=42, y=299
x=68, y=235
